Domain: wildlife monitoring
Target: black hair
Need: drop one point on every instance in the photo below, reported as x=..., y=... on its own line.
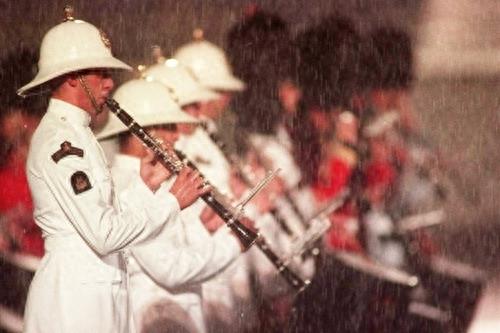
x=260, y=51
x=388, y=56
x=16, y=69
x=329, y=54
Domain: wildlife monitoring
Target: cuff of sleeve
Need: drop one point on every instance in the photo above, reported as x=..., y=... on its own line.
x=160, y=206
x=225, y=236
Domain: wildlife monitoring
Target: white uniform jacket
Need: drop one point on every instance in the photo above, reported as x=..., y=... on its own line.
x=277, y=151
x=219, y=293
x=170, y=267
x=78, y=288
x=207, y=157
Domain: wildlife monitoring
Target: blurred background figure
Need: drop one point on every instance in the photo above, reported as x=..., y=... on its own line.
x=21, y=242
x=261, y=51
x=18, y=120
x=16, y=207
x=326, y=127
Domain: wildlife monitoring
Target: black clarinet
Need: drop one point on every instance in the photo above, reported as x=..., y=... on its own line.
x=174, y=163
x=248, y=180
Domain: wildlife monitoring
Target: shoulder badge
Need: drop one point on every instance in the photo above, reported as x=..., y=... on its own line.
x=80, y=182
x=66, y=150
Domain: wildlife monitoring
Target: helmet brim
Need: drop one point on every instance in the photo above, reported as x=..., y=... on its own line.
x=226, y=83
x=48, y=74
x=115, y=126
x=198, y=95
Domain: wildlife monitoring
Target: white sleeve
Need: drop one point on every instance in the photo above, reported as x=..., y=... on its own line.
x=279, y=157
x=103, y=226
x=226, y=249
x=173, y=263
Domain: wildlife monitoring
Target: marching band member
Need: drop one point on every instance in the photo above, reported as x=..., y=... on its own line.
x=19, y=118
x=267, y=107
x=166, y=271
x=264, y=111
x=17, y=226
x=80, y=285
x=198, y=100
x=211, y=69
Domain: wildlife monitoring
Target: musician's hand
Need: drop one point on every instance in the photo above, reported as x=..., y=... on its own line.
x=211, y=220
x=188, y=187
x=153, y=173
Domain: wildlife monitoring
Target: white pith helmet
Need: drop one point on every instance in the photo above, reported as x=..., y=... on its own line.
x=149, y=103
x=209, y=64
x=72, y=46
x=176, y=76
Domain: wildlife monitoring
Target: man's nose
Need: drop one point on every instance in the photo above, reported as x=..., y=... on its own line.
x=175, y=136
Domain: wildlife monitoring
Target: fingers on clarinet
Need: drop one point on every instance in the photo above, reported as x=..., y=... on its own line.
x=184, y=172
x=195, y=184
x=195, y=178
x=204, y=189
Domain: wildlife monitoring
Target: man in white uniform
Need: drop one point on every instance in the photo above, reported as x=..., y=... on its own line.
x=196, y=99
x=166, y=271
x=78, y=286
x=210, y=67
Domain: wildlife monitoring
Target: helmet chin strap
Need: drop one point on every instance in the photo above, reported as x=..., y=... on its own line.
x=98, y=109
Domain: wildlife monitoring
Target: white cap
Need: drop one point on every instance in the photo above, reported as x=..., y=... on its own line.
x=149, y=103
x=210, y=66
x=72, y=46
x=177, y=77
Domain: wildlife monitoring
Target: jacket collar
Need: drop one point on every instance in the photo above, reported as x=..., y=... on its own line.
x=69, y=112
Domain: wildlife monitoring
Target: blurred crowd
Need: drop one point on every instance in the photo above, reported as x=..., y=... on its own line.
x=358, y=185
x=18, y=120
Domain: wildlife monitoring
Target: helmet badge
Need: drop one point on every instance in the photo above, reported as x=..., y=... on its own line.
x=68, y=13
x=105, y=39
x=157, y=54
